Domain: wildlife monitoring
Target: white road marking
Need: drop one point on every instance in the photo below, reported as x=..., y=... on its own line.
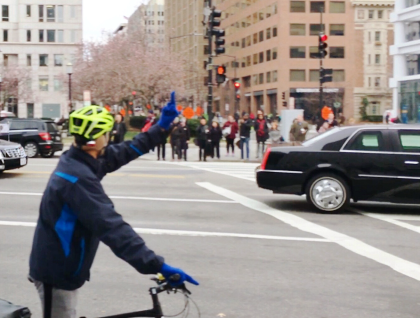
x=194, y=233
x=245, y=171
x=359, y=247
x=394, y=219
x=134, y=198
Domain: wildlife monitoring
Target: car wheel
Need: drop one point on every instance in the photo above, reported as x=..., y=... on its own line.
x=328, y=193
x=48, y=154
x=31, y=149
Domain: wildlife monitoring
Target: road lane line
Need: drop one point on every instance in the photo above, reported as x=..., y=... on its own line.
x=352, y=244
x=194, y=233
x=153, y=176
x=116, y=197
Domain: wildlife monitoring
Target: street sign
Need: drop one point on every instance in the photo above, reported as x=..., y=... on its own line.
x=337, y=105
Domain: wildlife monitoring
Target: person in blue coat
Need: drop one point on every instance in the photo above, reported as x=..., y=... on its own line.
x=76, y=214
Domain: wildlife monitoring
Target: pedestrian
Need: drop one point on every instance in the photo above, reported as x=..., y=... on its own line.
x=299, y=129
x=174, y=137
x=76, y=214
x=119, y=130
x=331, y=121
x=261, y=130
x=388, y=115
x=245, y=134
x=162, y=145
x=215, y=137
x=230, y=129
x=184, y=136
x=275, y=134
x=325, y=127
x=202, y=137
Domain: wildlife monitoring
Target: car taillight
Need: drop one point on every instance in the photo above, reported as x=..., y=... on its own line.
x=45, y=136
x=264, y=161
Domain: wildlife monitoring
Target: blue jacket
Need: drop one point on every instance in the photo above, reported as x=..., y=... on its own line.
x=76, y=214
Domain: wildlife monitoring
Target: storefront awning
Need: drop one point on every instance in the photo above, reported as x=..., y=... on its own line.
x=259, y=93
x=272, y=91
x=247, y=95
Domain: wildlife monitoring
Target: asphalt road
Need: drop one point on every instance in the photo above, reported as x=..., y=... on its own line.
x=255, y=254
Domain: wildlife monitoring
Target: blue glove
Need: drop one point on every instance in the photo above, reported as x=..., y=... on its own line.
x=168, y=271
x=169, y=113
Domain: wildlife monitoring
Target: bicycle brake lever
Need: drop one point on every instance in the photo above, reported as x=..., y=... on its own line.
x=184, y=288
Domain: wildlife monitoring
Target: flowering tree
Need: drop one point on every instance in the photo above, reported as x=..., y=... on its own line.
x=15, y=84
x=112, y=70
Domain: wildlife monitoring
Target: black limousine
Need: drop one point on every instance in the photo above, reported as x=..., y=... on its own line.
x=364, y=163
x=12, y=156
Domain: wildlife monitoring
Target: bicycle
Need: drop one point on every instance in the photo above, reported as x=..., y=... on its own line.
x=156, y=312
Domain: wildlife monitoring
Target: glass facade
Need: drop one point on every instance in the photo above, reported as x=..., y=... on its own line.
x=409, y=101
x=412, y=31
x=410, y=3
x=413, y=64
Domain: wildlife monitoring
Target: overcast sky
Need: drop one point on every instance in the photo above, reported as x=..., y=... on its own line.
x=101, y=16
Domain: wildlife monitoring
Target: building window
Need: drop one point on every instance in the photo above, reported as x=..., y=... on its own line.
x=28, y=60
x=337, y=52
x=5, y=13
x=377, y=58
x=255, y=38
x=58, y=86
x=261, y=57
x=315, y=29
x=248, y=40
x=261, y=36
x=43, y=60
x=254, y=79
x=371, y=13
x=28, y=11
x=317, y=6
x=380, y=14
x=369, y=60
x=243, y=43
x=73, y=36
x=338, y=76
x=370, y=82
x=268, y=55
x=73, y=12
x=297, y=6
x=5, y=35
x=297, y=29
x=261, y=78
x=297, y=76
x=337, y=29
x=58, y=60
x=51, y=36
x=43, y=84
x=248, y=60
x=274, y=56
x=255, y=59
x=297, y=52
x=41, y=13
x=60, y=14
x=313, y=52
x=28, y=36
x=377, y=81
x=377, y=36
x=274, y=32
x=268, y=75
x=30, y=110
x=337, y=7
x=268, y=34
x=60, y=36
x=50, y=13
x=274, y=76
x=314, y=75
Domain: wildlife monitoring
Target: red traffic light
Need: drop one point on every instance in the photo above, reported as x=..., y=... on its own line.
x=221, y=70
x=237, y=85
x=323, y=37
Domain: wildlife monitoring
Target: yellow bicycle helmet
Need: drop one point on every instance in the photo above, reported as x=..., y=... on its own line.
x=90, y=122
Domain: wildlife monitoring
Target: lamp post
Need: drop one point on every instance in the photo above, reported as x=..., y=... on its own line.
x=1, y=100
x=70, y=72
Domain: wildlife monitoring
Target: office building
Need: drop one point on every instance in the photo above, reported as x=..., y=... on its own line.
x=38, y=40
x=406, y=53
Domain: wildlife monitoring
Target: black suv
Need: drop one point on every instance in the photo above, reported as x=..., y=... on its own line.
x=37, y=136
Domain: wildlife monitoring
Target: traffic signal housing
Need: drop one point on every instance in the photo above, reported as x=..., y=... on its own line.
x=325, y=75
x=322, y=45
x=221, y=74
x=237, y=85
x=218, y=33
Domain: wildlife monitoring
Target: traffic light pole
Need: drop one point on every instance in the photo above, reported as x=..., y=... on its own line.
x=321, y=65
x=210, y=66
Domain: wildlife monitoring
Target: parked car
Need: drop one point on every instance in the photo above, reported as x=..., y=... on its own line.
x=6, y=114
x=365, y=163
x=12, y=156
x=37, y=136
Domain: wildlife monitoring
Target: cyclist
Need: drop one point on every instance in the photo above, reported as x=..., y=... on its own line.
x=75, y=213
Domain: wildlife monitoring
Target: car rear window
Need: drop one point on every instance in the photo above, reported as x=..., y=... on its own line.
x=51, y=127
x=410, y=141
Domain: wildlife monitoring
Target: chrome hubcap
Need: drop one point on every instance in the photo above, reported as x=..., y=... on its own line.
x=328, y=194
x=30, y=150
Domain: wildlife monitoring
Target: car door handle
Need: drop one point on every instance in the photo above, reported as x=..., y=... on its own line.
x=412, y=163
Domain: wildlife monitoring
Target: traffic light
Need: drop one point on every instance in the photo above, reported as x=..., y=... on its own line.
x=322, y=45
x=221, y=74
x=218, y=33
x=325, y=75
x=237, y=85
x=283, y=95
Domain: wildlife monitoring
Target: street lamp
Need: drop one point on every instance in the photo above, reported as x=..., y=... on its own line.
x=70, y=72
